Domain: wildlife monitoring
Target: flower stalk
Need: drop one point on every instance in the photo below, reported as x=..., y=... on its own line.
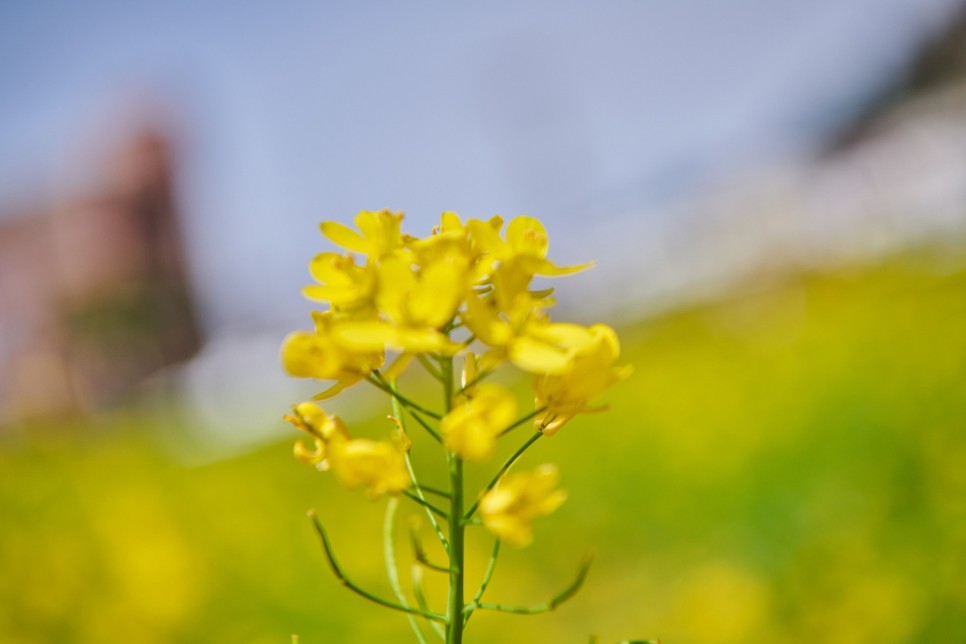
x=458, y=302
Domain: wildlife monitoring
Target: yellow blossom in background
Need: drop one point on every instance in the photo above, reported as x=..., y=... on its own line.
x=592, y=371
x=379, y=466
x=508, y=510
x=471, y=429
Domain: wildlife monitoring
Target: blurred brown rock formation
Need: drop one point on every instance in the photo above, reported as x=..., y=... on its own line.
x=94, y=293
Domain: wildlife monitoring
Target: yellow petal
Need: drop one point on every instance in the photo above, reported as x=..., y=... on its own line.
x=303, y=356
x=396, y=282
x=483, y=321
x=535, y=356
x=372, y=335
x=363, y=335
x=546, y=268
x=563, y=334
x=342, y=235
x=336, y=295
x=379, y=466
x=527, y=236
x=309, y=456
x=311, y=414
x=336, y=389
x=420, y=340
x=608, y=338
x=381, y=230
x=330, y=268
x=508, y=510
x=435, y=299
x=486, y=237
x=471, y=429
x=450, y=221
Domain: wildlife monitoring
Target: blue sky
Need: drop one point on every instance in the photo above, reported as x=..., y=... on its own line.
x=290, y=113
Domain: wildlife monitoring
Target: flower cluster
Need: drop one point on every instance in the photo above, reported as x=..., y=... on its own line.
x=460, y=300
x=466, y=284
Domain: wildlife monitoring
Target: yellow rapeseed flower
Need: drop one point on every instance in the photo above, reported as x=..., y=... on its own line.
x=416, y=291
x=471, y=428
x=379, y=466
x=591, y=372
x=320, y=355
x=451, y=236
x=525, y=247
x=508, y=510
x=525, y=336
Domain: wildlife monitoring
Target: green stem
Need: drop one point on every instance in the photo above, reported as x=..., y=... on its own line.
x=348, y=583
x=433, y=490
x=432, y=519
x=420, y=555
x=432, y=432
x=380, y=382
x=433, y=371
x=389, y=554
x=479, y=377
x=490, y=567
x=454, y=610
x=417, y=574
x=510, y=461
x=521, y=421
x=412, y=476
x=426, y=504
x=554, y=601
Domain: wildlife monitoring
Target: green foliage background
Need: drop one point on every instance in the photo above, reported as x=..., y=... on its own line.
x=785, y=465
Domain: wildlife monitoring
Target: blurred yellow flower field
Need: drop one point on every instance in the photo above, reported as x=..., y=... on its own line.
x=783, y=465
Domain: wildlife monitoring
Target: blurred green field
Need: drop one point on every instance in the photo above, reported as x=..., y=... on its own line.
x=787, y=464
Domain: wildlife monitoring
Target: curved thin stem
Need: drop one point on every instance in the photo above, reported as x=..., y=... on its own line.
x=397, y=410
x=426, y=504
x=433, y=371
x=432, y=432
x=420, y=555
x=510, y=461
x=433, y=490
x=554, y=601
x=522, y=420
x=348, y=583
x=389, y=554
x=417, y=574
x=490, y=567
